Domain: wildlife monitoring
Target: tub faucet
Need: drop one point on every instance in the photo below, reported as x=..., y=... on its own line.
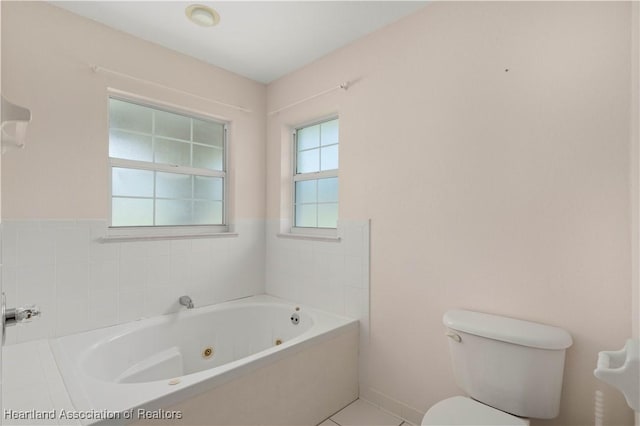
x=186, y=301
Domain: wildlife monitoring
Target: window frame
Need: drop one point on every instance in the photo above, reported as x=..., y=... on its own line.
x=322, y=174
x=167, y=231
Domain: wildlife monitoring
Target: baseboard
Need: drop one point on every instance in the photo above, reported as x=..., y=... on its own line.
x=393, y=406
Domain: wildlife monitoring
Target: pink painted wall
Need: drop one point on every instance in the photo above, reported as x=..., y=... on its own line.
x=489, y=144
x=635, y=176
x=63, y=173
x=635, y=165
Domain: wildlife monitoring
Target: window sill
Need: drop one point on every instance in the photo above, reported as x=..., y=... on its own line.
x=121, y=235
x=327, y=238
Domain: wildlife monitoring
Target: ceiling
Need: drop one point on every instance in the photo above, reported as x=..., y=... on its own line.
x=261, y=40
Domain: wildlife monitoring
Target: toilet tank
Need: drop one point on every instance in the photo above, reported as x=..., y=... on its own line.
x=513, y=365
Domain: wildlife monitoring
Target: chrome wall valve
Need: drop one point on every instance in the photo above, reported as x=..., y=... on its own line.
x=13, y=316
x=22, y=314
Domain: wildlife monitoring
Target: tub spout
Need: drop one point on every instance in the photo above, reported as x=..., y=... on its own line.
x=186, y=301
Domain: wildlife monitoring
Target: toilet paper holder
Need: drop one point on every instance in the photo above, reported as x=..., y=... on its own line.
x=621, y=369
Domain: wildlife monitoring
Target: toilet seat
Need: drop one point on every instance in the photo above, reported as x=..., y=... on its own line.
x=460, y=410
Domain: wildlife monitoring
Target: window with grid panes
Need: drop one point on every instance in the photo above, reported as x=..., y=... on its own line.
x=315, y=180
x=167, y=168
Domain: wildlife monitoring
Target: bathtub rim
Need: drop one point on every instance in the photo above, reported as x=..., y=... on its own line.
x=76, y=382
x=160, y=320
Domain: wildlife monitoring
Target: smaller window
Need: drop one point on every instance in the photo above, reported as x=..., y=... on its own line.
x=315, y=179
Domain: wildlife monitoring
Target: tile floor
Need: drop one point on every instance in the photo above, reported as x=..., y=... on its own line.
x=363, y=413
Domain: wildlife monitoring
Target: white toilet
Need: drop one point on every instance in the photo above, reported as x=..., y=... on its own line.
x=511, y=369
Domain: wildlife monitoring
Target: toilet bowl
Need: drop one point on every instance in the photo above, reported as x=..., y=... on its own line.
x=460, y=410
x=511, y=370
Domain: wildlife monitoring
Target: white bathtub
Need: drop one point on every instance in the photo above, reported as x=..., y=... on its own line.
x=238, y=362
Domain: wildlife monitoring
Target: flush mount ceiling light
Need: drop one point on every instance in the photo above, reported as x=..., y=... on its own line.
x=202, y=15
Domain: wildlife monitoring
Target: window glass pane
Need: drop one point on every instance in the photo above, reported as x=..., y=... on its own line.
x=207, y=158
x=308, y=137
x=208, y=188
x=328, y=190
x=130, y=146
x=132, y=182
x=306, y=215
x=176, y=196
x=328, y=215
x=173, y=185
x=207, y=212
x=173, y=212
x=306, y=191
x=308, y=161
x=329, y=132
x=329, y=158
x=172, y=152
x=172, y=125
x=128, y=116
x=131, y=212
x=208, y=133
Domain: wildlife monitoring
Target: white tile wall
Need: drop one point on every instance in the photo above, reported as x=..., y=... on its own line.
x=330, y=275
x=81, y=283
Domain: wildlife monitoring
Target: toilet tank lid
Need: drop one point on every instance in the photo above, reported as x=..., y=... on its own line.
x=511, y=330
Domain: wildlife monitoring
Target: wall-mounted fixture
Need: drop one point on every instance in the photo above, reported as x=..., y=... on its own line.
x=621, y=369
x=13, y=316
x=14, y=125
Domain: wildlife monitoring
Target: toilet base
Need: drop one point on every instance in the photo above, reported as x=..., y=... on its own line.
x=461, y=410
